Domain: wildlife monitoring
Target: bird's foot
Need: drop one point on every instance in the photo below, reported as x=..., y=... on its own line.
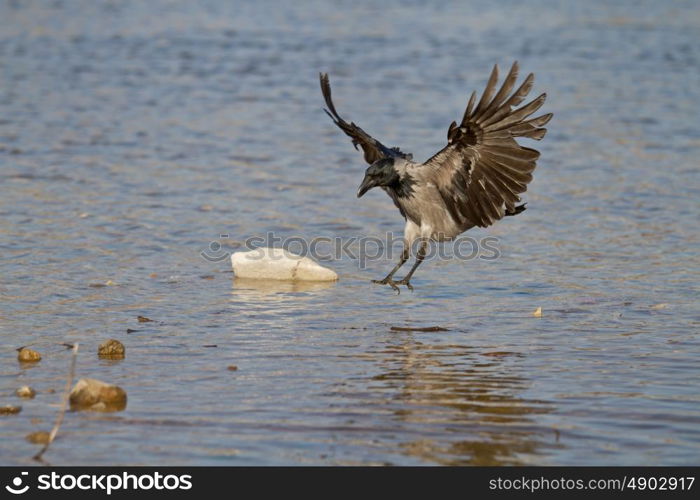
x=394, y=284
x=405, y=282
x=388, y=281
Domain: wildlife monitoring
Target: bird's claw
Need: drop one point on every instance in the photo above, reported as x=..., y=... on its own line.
x=388, y=281
x=405, y=282
x=394, y=284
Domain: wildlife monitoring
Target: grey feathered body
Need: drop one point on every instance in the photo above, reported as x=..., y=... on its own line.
x=476, y=179
x=422, y=205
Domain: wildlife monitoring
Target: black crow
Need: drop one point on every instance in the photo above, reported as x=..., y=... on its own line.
x=473, y=181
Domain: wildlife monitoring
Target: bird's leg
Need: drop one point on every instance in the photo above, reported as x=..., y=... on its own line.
x=419, y=258
x=388, y=280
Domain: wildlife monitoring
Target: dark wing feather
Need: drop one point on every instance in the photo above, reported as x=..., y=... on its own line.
x=482, y=170
x=372, y=148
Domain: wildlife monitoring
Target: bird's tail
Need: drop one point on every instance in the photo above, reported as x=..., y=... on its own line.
x=516, y=210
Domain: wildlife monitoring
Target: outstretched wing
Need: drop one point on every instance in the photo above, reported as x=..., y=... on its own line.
x=372, y=148
x=482, y=170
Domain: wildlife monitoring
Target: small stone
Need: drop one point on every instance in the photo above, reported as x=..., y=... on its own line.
x=143, y=319
x=26, y=392
x=537, y=313
x=92, y=394
x=112, y=349
x=27, y=355
x=10, y=410
x=232, y=368
x=279, y=264
x=38, y=437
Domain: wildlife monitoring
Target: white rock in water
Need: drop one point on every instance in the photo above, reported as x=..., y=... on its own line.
x=278, y=264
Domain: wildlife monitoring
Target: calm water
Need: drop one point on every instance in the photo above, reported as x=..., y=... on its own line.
x=133, y=134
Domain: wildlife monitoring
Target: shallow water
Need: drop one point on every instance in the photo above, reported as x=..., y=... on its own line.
x=134, y=134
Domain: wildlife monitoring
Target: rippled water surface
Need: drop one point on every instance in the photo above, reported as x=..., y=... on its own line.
x=134, y=134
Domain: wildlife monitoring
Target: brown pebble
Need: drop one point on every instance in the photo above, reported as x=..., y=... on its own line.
x=10, y=410
x=232, y=368
x=38, y=437
x=26, y=392
x=111, y=349
x=27, y=355
x=143, y=319
x=91, y=394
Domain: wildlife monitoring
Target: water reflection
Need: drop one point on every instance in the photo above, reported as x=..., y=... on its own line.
x=251, y=289
x=466, y=401
x=273, y=304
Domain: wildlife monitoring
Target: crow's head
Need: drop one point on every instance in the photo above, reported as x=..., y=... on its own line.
x=379, y=173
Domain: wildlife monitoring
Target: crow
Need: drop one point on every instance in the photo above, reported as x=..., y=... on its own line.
x=475, y=180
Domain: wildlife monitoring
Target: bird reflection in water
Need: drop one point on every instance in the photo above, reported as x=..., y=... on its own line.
x=469, y=393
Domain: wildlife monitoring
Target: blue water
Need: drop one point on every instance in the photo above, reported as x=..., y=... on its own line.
x=134, y=134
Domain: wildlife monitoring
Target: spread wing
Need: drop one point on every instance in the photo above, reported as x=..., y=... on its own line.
x=372, y=148
x=482, y=170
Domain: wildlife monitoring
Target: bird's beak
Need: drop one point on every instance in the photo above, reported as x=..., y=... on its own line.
x=366, y=185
